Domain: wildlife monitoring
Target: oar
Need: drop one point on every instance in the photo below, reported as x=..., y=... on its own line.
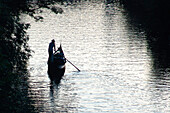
x=73, y=64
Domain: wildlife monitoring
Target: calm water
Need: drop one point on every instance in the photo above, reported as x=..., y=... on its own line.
x=117, y=73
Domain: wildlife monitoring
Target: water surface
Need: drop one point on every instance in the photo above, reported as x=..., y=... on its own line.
x=117, y=73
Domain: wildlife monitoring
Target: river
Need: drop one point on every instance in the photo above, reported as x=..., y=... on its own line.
x=117, y=73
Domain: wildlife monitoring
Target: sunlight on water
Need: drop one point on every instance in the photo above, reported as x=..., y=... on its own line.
x=115, y=63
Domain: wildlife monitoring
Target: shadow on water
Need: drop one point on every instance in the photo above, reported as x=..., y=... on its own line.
x=61, y=97
x=154, y=20
x=158, y=43
x=158, y=39
x=14, y=94
x=53, y=87
x=160, y=52
x=158, y=48
x=54, y=93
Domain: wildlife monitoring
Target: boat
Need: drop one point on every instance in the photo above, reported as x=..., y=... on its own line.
x=56, y=67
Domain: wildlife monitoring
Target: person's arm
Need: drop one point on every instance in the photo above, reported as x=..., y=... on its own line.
x=54, y=47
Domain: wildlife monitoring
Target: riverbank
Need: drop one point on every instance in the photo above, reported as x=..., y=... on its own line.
x=15, y=52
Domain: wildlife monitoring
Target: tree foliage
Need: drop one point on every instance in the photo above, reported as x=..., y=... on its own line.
x=14, y=49
x=15, y=52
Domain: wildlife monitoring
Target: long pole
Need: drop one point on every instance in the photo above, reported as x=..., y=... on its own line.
x=73, y=64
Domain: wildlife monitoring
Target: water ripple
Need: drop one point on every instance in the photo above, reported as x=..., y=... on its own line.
x=117, y=73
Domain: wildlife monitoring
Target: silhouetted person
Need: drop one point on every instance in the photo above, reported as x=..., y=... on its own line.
x=50, y=50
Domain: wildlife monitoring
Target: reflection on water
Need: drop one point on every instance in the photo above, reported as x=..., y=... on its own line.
x=117, y=66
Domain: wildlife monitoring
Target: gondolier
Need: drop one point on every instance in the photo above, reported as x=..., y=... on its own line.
x=56, y=68
x=50, y=50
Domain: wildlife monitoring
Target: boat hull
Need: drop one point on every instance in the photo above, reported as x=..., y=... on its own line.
x=56, y=72
x=56, y=65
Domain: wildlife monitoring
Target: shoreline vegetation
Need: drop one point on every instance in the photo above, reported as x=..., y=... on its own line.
x=15, y=52
x=14, y=49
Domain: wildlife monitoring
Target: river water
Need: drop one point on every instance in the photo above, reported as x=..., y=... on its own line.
x=117, y=73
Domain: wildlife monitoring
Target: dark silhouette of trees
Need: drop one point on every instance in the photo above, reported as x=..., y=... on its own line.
x=15, y=52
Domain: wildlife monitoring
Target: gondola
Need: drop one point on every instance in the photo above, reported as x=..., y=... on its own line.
x=56, y=67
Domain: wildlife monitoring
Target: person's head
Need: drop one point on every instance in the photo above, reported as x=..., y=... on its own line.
x=53, y=41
